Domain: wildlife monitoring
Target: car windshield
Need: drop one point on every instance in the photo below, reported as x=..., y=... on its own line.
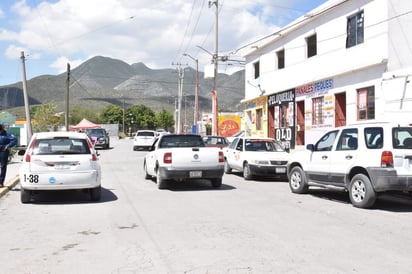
x=96, y=132
x=215, y=140
x=262, y=145
x=54, y=146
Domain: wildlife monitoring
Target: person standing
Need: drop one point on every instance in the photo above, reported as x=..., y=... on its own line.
x=7, y=140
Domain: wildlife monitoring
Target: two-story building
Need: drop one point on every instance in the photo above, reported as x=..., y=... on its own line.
x=343, y=62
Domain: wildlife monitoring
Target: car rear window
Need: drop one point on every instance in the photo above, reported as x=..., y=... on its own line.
x=402, y=137
x=181, y=141
x=55, y=146
x=145, y=133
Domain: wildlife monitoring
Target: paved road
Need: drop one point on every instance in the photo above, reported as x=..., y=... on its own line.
x=244, y=227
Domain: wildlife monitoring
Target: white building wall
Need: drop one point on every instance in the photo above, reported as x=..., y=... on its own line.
x=387, y=48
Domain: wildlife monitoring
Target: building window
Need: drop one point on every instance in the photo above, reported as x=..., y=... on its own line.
x=259, y=115
x=366, y=103
x=354, y=30
x=311, y=45
x=256, y=66
x=281, y=58
x=317, y=107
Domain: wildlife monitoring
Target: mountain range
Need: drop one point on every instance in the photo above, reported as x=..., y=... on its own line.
x=100, y=81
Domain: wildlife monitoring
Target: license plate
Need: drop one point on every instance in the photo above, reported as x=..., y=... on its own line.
x=280, y=170
x=61, y=167
x=195, y=174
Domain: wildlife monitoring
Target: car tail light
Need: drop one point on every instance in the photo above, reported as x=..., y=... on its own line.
x=221, y=157
x=29, y=151
x=167, y=158
x=94, y=156
x=387, y=159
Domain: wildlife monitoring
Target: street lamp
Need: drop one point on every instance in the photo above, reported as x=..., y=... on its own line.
x=196, y=114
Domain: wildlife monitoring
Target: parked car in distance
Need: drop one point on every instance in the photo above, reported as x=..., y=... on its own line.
x=182, y=157
x=99, y=137
x=144, y=139
x=215, y=141
x=238, y=134
x=364, y=159
x=60, y=161
x=256, y=157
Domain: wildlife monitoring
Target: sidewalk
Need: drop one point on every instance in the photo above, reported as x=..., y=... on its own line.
x=12, y=176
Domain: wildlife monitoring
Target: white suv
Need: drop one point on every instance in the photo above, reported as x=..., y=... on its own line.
x=363, y=159
x=144, y=139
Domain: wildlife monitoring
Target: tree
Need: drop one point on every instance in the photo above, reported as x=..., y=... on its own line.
x=77, y=114
x=165, y=119
x=44, y=117
x=112, y=114
x=141, y=116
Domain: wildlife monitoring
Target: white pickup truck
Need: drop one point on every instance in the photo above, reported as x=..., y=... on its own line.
x=183, y=157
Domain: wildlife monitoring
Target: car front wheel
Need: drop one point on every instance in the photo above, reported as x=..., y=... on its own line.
x=228, y=170
x=297, y=181
x=247, y=175
x=361, y=192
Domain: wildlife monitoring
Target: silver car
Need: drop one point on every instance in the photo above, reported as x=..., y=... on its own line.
x=60, y=161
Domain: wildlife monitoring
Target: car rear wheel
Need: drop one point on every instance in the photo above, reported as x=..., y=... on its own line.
x=159, y=180
x=361, y=192
x=216, y=182
x=297, y=181
x=25, y=195
x=146, y=176
x=247, y=175
x=95, y=193
x=228, y=170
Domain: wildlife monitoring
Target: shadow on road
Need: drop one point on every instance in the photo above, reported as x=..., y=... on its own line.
x=194, y=185
x=69, y=196
x=387, y=202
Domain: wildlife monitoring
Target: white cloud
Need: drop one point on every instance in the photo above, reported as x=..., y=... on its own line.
x=14, y=52
x=156, y=33
x=60, y=64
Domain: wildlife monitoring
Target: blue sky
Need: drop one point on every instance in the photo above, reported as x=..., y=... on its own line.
x=56, y=32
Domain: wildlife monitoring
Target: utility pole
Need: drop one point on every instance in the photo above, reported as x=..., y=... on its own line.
x=124, y=132
x=180, y=72
x=196, y=114
x=26, y=99
x=215, y=60
x=66, y=118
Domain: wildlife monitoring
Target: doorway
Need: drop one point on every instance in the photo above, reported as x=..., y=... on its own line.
x=300, y=123
x=340, y=109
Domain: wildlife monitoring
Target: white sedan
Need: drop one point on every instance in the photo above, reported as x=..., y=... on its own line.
x=60, y=161
x=256, y=156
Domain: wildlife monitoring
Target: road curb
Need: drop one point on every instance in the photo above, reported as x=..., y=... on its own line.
x=9, y=185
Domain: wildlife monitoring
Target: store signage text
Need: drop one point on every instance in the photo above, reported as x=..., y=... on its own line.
x=314, y=87
x=283, y=97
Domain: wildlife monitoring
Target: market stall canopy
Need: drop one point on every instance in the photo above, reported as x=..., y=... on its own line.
x=84, y=124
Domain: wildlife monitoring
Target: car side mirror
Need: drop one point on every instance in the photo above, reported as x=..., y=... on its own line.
x=310, y=147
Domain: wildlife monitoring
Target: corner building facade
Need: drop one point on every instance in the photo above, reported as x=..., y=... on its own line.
x=342, y=63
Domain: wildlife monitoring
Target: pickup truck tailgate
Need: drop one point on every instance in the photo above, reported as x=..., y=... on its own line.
x=196, y=157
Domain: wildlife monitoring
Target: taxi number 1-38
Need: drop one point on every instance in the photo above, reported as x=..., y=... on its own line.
x=31, y=178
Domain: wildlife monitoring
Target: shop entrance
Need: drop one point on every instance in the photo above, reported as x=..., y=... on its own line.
x=300, y=123
x=340, y=109
x=271, y=122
